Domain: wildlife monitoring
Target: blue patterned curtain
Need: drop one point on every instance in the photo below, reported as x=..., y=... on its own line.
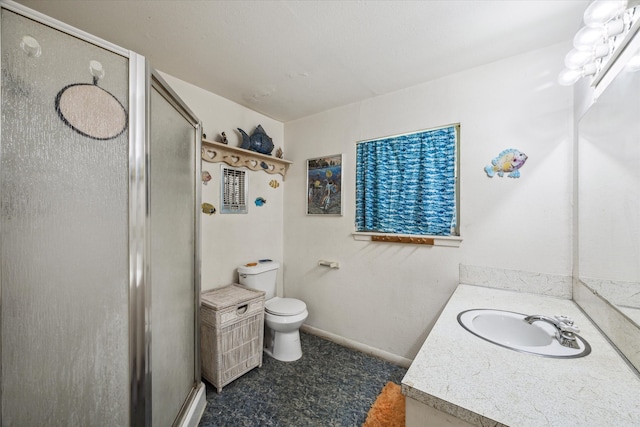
x=407, y=184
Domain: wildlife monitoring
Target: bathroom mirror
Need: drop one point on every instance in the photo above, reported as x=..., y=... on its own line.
x=609, y=193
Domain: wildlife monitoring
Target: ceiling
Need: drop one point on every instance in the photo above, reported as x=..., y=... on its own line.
x=291, y=59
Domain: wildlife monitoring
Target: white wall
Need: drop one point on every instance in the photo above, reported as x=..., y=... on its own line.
x=230, y=240
x=388, y=296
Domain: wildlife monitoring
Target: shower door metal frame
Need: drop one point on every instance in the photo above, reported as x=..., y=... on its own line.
x=155, y=81
x=139, y=268
x=141, y=80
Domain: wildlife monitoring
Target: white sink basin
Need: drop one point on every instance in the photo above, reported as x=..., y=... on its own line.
x=510, y=330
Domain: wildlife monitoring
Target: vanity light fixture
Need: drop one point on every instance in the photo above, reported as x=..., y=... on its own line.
x=607, y=24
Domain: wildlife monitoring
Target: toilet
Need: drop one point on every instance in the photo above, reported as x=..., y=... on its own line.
x=283, y=316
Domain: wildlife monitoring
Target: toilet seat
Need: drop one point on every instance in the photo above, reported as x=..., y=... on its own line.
x=285, y=306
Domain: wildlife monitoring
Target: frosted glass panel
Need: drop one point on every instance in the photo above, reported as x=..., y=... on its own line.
x=64, y=225
x=172, y=157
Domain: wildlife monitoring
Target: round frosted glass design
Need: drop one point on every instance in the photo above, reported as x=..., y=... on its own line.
x=91, y=111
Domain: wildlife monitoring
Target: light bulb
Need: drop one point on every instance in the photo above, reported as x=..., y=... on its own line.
x=577, y=58
x=586, y=37
x=589, y=69
x=601, y=50
x=567, y=77
x=614, y=28
x=602, y=11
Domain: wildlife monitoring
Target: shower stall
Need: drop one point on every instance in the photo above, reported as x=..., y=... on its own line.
x=99, y=226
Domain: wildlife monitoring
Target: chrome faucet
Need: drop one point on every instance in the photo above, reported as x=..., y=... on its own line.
x=565, y=330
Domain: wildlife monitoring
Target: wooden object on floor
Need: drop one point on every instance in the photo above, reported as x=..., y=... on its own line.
x=231, y=333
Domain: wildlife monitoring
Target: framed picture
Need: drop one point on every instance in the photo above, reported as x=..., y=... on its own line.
x=324, y=185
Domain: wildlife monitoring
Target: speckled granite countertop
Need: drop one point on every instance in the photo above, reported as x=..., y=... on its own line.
x=487, y=385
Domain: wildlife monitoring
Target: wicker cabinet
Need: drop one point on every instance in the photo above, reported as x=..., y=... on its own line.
x=232, y=331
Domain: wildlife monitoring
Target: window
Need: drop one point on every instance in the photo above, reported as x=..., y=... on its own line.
x=408, y=184
x=233, y=190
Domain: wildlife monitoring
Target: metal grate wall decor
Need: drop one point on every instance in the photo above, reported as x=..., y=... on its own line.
x=233, y=191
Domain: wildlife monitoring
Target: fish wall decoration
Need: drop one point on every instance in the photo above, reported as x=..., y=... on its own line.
x=206, y=177
x=208, y=208
x=508, y=161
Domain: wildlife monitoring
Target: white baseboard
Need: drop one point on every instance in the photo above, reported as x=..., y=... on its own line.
x=346, y=342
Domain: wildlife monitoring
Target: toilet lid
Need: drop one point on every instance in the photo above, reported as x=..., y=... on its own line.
x=285, y=306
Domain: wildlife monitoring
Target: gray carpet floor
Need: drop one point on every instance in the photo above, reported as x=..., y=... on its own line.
x=329, y=386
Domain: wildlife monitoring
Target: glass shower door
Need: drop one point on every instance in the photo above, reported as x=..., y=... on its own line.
x=64, y=222
x=174, y=169
x=99, y=234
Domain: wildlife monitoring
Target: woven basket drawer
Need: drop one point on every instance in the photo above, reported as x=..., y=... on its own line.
x=232, y=314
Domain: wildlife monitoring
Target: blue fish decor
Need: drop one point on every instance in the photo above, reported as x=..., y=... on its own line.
x=259, y=141
x=260, y=201
x=508, y=161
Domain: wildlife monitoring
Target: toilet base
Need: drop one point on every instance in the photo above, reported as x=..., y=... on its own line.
x=283, y=346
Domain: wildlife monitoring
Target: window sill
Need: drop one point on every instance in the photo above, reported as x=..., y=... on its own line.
x=450, y=241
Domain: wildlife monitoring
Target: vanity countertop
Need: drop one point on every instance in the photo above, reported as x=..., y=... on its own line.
x=485, y=384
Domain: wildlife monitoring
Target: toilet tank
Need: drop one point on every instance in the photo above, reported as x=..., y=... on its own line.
x=261, y=275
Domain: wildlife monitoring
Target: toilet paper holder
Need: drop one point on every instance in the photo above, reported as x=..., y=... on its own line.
x=330, y=264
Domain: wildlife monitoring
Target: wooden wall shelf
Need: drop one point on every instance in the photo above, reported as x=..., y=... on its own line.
x=216, y=152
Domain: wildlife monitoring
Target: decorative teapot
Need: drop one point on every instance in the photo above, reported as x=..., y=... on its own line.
x=258, y=141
